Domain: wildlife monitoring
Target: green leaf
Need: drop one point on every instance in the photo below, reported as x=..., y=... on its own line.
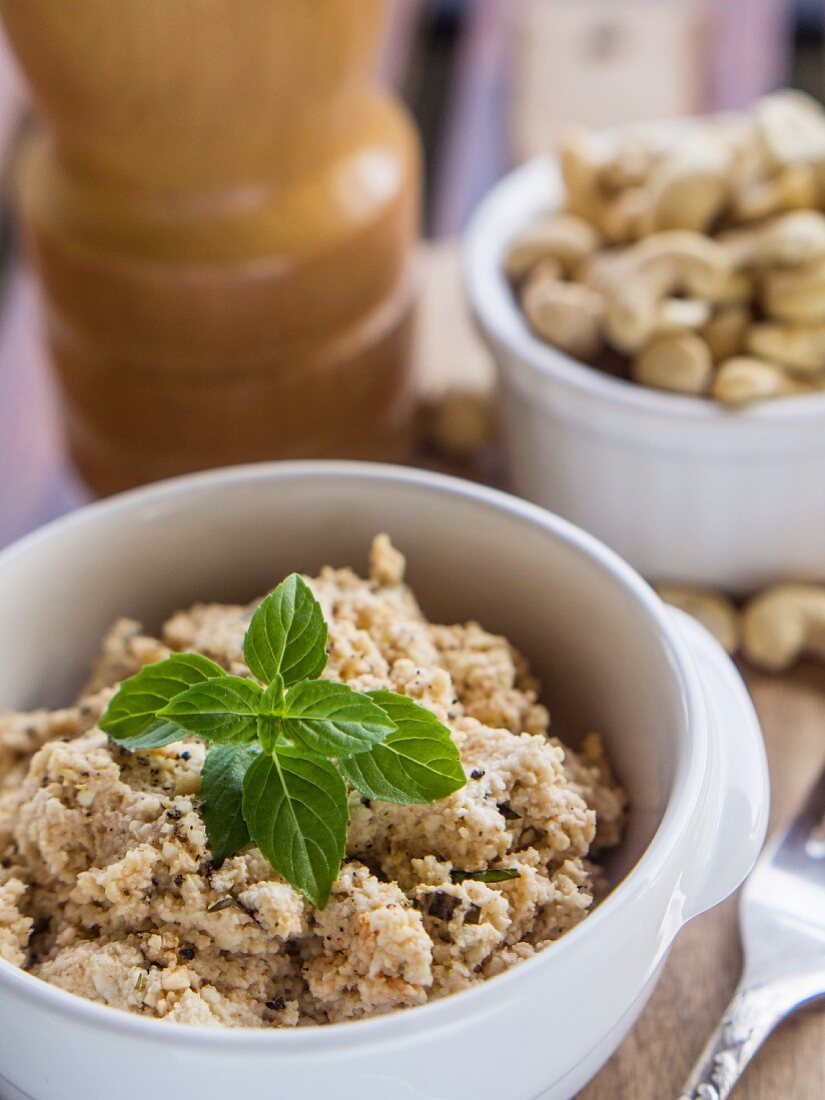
x=272, y=700
x=223, y=709
x=269, y=724
x=295, y=805
x=332, y=719
x=287, y=635
x=222, y=793
x=418, y=761
x=270, y=730
x=131, y=716
x=493, y=874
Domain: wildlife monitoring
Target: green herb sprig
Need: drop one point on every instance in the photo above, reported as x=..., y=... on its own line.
x=284, y=743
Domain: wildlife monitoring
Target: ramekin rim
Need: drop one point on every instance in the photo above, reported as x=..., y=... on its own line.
x=684, y=794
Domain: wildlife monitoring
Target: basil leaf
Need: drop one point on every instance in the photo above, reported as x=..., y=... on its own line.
x=418, y=761
x=287, y=635
x=269, y=730
x=223, y=709
x=222, y=779
x=493, y=874
x=131, y=716
x=295, y=806
x=332, y=719
x=272, y=700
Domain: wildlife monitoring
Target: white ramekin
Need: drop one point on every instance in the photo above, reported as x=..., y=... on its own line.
x=684, y=489
x=677, y=719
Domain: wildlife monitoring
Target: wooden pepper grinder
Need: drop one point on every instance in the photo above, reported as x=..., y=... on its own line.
x=221, y=208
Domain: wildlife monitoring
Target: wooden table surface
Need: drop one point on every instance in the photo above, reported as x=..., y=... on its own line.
x=36, y=483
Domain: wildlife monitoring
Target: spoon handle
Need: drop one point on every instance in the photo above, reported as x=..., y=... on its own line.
x=749, y=1019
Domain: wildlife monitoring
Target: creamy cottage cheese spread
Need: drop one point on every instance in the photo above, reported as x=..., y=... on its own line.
x=107, y=888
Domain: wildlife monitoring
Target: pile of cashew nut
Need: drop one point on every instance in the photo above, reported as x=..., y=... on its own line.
x=696, y=266
x=773, y=630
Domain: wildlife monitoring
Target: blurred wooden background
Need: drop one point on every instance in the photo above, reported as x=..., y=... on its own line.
x=489, y=83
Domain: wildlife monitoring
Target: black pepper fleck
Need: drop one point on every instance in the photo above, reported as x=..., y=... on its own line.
x=442, y=906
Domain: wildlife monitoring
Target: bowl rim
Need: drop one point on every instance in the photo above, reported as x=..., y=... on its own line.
x=686, y=789
x=536, y=185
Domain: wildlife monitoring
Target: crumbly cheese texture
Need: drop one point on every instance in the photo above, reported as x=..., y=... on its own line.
x=107, y=888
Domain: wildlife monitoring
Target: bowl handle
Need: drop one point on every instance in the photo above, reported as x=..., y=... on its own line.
x=737, y=799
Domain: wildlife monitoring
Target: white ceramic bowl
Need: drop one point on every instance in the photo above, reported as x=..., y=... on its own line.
x=677, y=719
x=683, y=488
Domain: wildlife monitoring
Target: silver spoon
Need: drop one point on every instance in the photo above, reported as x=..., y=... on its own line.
x=782, y=921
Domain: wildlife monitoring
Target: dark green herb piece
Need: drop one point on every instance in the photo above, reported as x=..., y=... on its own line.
x=442, y=906
x=507, y=811
x=493, y=874
x=218, y=906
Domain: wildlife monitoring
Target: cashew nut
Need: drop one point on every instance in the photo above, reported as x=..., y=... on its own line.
x=800, y=349
x=714, y=611
x=791, y=128
x=796, y=294
x=658, y=267
x=783, y=624
x=726, y=330
x=721, y=287
x=581, y=162
x=629, y=166
x=681, y=315
x=602, y=270
x=567, y=315
x=687, y=190
x=564, y=238
x=785, y=241
x=794, y=188
x=744, y=379
x=680, y=363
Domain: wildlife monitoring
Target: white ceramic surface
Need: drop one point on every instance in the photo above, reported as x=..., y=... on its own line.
x=684, y=489
x=676, y=717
